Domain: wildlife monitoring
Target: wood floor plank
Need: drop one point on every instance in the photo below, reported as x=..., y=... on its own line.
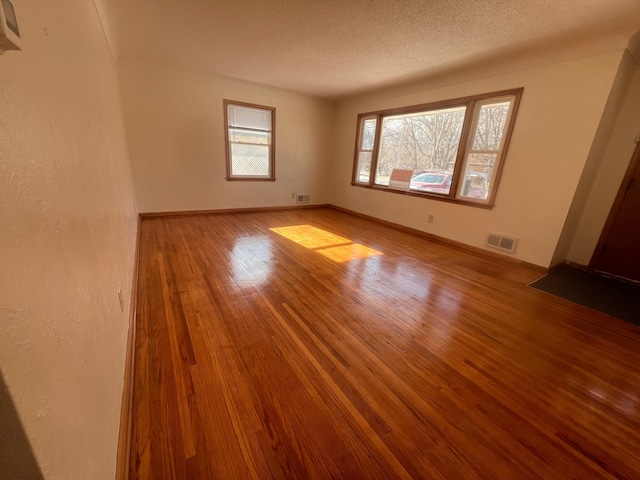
x=182, y=356
x=316, y=344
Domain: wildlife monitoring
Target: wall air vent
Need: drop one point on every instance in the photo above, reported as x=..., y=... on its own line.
x=501, y=242
x=302, y=198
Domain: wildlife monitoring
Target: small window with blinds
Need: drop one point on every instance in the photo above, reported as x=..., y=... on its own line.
x=250, y=141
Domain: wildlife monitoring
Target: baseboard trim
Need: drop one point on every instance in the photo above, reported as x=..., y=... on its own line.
x=577, y=266
x=230, y=210
x=124, y=439
x=444, y=241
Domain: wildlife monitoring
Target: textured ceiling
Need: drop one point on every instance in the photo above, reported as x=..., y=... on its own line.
x=335, y=48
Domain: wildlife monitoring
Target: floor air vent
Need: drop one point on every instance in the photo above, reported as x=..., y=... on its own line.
x=302, y=198
x=506, y=244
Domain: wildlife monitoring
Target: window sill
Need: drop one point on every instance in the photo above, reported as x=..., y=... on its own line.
x=431, y=196
x=250, y=179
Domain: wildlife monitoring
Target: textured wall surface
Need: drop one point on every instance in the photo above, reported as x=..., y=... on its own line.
x=175, y=127
x=560, y=111
x=67, y=235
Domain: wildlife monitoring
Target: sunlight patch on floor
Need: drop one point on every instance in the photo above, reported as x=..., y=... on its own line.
x=344, y=253
x=333, y=247
x=310, y=237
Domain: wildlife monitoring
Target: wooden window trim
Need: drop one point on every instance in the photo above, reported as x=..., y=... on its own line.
x=359, y=149
x=272, y=144
x=466, y=138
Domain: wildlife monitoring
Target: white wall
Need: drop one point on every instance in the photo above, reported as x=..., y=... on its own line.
x=67, y=238
x=559, y=114
x=175, y=127
x=619, y=145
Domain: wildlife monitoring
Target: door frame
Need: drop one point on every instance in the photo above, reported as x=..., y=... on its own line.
x=617, y=204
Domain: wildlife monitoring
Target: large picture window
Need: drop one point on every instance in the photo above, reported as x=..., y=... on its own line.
x=452, y=150
x=250, y=141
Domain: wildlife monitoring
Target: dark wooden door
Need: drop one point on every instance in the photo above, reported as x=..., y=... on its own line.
x=619, y=247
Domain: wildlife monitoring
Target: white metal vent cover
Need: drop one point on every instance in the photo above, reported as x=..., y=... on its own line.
x=302, y=198
x=502, y=242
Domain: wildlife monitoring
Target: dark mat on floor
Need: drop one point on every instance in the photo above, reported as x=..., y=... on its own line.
x=613, y=297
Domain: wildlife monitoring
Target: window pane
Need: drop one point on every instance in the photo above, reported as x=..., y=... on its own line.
x=256, y=118
x=364, y=167
x=368, y=134
x=478, y=175
x=432, y=182
x=491, y=123
x=248, y=136
x=250, y=160
x=425, y=142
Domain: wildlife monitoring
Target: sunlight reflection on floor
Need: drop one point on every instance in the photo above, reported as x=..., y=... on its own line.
x=251, y=260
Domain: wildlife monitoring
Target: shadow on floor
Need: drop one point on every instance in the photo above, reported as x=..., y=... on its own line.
x=613, y=297
x=17, y=461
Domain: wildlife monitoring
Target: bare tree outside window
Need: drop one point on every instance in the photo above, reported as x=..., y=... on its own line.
x=420, y=142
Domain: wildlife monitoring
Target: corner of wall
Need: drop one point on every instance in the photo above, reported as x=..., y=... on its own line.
x=598, y=185
x=634, y=46
x=101, y=11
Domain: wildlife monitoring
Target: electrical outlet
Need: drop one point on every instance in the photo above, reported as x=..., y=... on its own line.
x=430, y=219
x=121, y=298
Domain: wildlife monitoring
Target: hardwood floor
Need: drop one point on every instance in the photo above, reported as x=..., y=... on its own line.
x=265, y=352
